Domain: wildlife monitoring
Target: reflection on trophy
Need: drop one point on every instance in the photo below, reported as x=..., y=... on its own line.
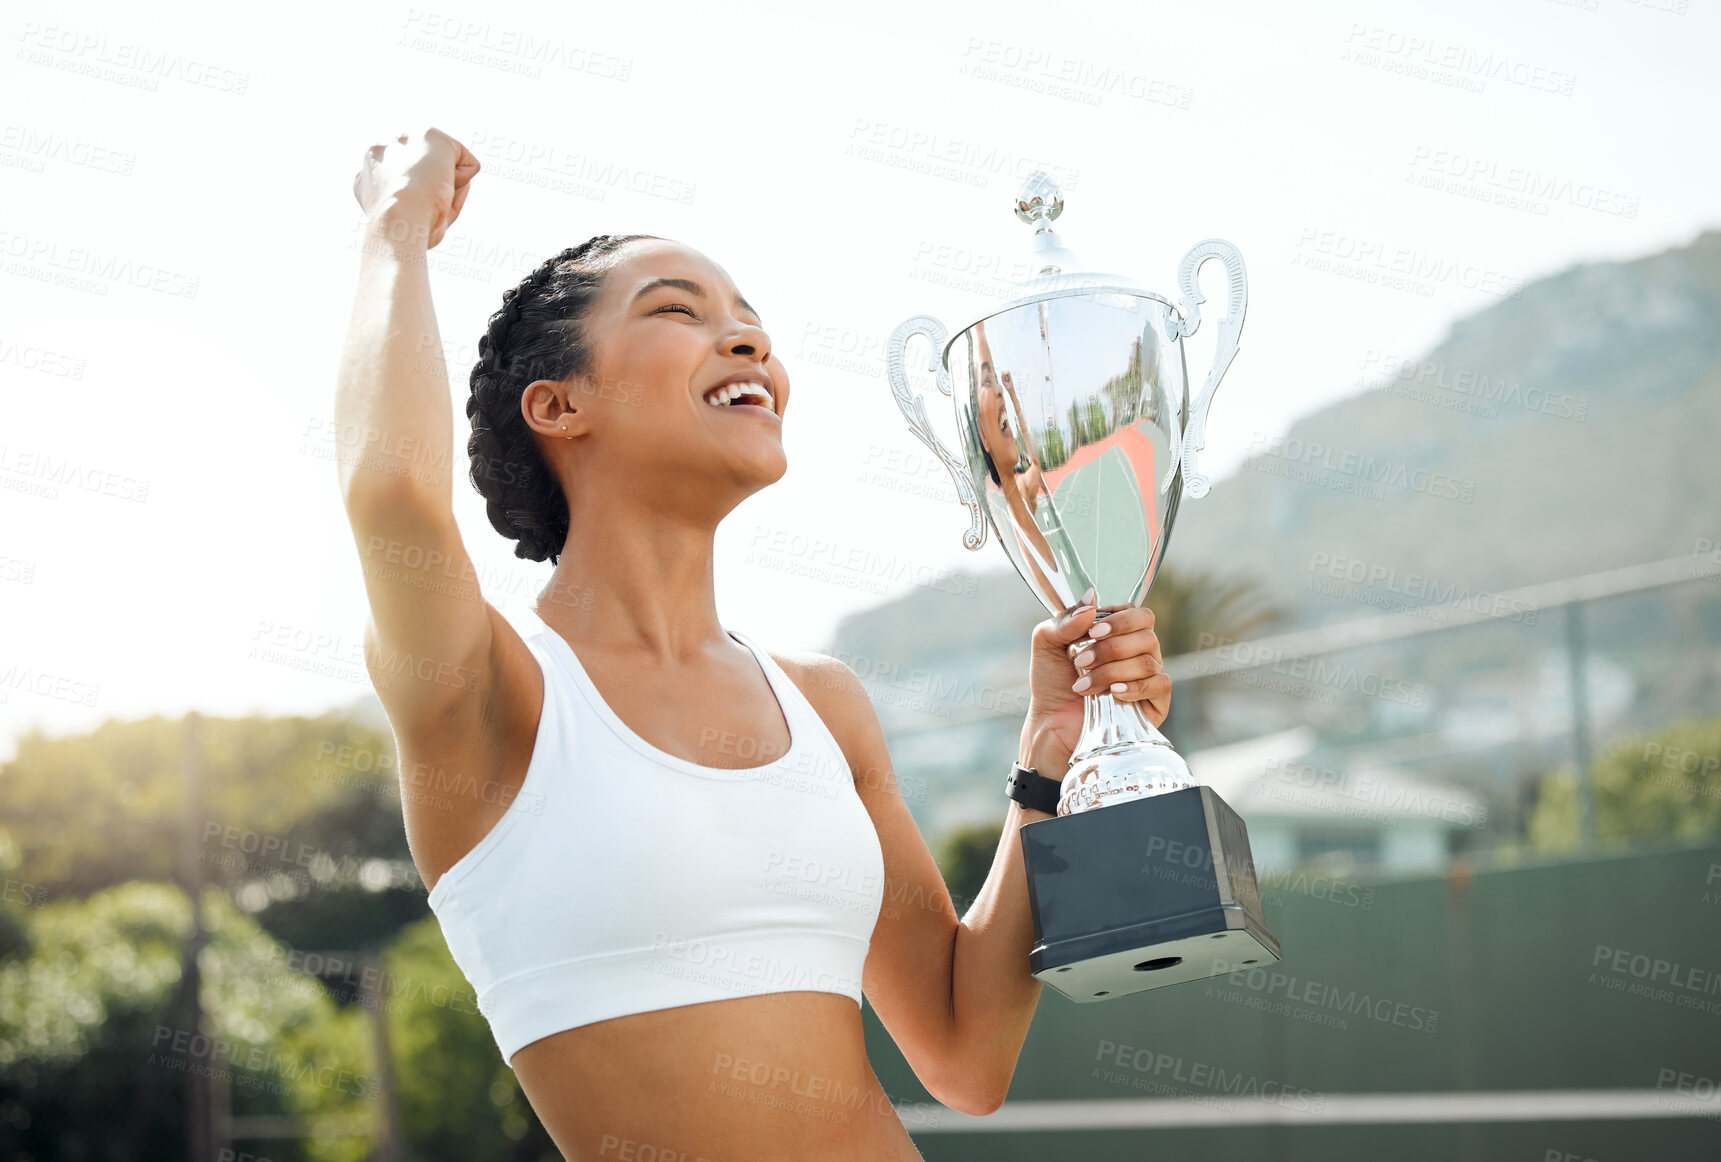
x=1079, y=438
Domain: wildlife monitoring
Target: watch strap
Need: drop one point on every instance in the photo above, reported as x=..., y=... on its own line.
x=1032, y=789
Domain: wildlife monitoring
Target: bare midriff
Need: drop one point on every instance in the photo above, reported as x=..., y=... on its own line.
x=748, y=1079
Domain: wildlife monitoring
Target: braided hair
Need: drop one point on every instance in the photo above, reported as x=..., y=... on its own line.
x=536, y=334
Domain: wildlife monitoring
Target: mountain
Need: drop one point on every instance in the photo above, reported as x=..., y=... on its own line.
x=1567, y=430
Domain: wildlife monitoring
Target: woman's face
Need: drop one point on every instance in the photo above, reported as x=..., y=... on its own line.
x=669, y=326
x=993, y=412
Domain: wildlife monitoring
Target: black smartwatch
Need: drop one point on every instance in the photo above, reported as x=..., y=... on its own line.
x=1032, y=789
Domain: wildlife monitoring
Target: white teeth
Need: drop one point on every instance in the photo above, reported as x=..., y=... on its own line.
x=729, y=392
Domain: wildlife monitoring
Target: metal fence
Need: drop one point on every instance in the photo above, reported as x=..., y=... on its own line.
x=1486, y=693
x=1475, y=697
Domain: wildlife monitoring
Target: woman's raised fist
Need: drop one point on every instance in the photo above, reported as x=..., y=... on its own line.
x=417, y=182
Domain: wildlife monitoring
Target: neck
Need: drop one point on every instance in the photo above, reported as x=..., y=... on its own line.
x=636, y=579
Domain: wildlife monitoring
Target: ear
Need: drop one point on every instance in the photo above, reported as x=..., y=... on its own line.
x=550, y=412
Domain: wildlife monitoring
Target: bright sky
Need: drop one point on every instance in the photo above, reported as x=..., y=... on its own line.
x=176, y=223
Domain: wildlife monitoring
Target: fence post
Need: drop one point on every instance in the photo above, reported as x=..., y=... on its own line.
x=203, y=1137
x=390, y=1145
x=1575, y=656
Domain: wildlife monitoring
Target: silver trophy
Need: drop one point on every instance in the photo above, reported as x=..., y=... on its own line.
x=1079, y=439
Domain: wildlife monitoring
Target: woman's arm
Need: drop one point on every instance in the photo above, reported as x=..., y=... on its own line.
x=955, y=993
x=993, y=996
x=392, y=386
x=428, y=639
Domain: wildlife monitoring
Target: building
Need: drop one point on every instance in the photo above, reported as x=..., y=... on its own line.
x=1302, y=807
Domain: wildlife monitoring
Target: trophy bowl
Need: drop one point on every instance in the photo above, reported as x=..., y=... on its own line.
x=1078, y=439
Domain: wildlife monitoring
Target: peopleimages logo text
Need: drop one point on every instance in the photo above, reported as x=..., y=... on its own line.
x=1389, y=473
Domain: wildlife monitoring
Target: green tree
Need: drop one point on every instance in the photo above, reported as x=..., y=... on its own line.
x=297, y=811
x=459, y=1101
x=1193, y=610
x=965, y=857
x=1662, y=785
x=1198, y=606
x=1124, y=392
x=85, y=812
x=89, y=1026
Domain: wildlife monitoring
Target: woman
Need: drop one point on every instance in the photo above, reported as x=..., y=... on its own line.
x=640, y=794
x=1003, y=454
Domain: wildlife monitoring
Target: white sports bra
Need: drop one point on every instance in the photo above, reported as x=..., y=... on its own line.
x=624, y=879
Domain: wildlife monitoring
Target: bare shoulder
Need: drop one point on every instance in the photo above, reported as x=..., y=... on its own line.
x=841, y=700
x=834, y=689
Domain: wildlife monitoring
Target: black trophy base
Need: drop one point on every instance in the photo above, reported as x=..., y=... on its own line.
x=1143, y=894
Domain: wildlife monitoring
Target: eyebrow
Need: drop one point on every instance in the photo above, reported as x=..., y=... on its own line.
x=691, y=288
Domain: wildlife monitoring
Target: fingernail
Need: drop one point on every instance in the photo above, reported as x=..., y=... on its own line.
x=1100, y=629
x=1081, y=684
x=1084, y=657
x=1088, y=597
x=1118, y=687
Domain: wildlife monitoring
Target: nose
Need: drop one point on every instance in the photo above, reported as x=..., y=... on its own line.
x=748, y=340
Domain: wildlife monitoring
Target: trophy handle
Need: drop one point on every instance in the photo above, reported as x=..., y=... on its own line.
x=914, y=411
x=1230, y=327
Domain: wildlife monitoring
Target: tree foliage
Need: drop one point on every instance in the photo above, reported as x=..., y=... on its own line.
x=86, y=812
x=459, y=1102
x=1193, y=608
x=1662, y=785
x=95, y=1049
x=965, y=858
x=301, y=824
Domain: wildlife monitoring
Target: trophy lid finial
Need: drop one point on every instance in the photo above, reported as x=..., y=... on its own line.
x=1039, y=201
x=1054, y=270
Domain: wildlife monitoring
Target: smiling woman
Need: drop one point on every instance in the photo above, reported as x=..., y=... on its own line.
x=667, y=887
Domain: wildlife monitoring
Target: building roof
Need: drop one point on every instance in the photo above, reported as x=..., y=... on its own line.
x=1279, y=776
